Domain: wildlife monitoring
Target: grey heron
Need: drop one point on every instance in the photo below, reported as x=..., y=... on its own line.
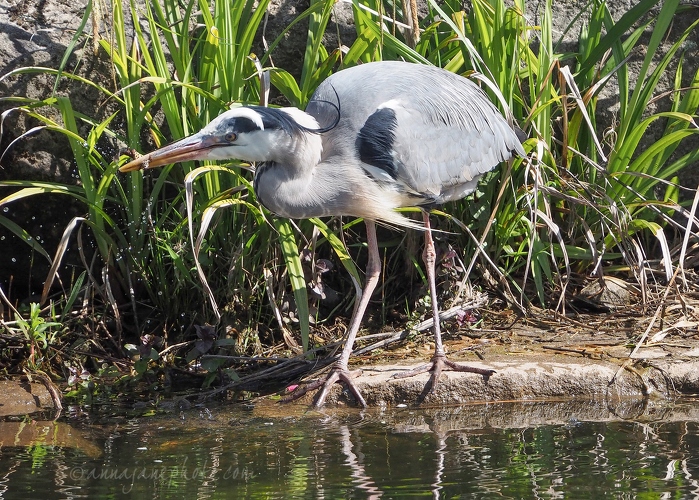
x=373, y=138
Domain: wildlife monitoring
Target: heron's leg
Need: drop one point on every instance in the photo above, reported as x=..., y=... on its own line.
x=429, y=257
x=340, y=371
x=439, y=360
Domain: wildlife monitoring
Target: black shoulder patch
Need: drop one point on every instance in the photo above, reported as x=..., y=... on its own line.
x=375, y=140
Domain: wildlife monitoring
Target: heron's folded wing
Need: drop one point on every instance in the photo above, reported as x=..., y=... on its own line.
x=435, y=152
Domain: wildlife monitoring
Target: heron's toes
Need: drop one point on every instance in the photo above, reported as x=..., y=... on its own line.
x=301, y=391
x=337, y=374
x=456, y=367
x=415, y=371
x=439, y=364
x=343, y=375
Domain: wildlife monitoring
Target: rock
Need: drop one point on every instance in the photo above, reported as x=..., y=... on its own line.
x=523, y=379
x=23, y=398
x=606, y=294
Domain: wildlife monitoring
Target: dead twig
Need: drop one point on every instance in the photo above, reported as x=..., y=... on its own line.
x=50, y=387
x=425, y=325
x=582, y=352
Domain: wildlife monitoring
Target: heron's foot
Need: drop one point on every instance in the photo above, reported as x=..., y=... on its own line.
x=439, y=364
x=337, y=374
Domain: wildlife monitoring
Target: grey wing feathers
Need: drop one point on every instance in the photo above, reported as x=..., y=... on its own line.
x=441, y=149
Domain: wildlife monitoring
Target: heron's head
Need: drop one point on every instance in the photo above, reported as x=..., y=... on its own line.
x=249, y=133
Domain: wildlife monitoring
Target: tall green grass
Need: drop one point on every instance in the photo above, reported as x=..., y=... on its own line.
x=584, y=196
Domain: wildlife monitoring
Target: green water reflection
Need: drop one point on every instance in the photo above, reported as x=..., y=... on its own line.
x=534, y=450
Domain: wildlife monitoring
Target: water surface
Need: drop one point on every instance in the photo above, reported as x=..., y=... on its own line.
x=570, y=449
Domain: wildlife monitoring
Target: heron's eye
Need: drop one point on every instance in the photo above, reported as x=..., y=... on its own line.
x=231, y=137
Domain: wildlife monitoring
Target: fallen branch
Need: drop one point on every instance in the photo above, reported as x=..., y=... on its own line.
x=424, y=325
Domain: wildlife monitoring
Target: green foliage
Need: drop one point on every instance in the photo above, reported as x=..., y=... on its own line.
x=38, y=333
x=604, y=207
x=583, y=196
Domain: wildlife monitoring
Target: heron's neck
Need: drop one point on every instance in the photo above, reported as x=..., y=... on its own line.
x=286, y=183
x=299, y=153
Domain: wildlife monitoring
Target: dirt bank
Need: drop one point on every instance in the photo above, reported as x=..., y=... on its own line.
x=528, y=376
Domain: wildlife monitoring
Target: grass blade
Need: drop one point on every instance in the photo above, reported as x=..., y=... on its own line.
x=292, y=259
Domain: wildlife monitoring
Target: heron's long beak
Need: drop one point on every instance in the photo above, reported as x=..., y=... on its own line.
x=194, y=147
